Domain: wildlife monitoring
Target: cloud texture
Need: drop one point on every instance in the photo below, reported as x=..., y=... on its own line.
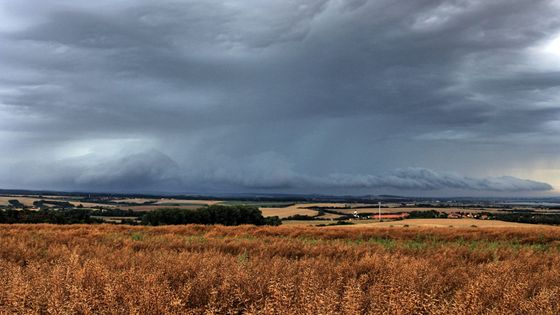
x=238, y=95
x=155, y=171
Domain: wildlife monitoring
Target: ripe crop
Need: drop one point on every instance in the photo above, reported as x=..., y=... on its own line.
x=107, y=269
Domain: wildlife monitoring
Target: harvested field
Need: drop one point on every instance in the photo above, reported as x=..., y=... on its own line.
x=28, y=201
x=305, y=209
x=301, y=209
x=288, y=211
x=409, y=209
x=444, y=223
x=108, y=269
x=349, y=208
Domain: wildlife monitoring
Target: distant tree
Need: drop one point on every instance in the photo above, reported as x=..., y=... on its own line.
x=38, y=203
x=301, y=217
x=15, y=203
x=426, y=214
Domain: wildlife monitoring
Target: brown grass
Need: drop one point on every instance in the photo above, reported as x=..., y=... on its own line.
x=443, y=223
x=109, y=269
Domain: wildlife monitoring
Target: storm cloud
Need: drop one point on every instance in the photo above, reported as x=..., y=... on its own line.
x=357, y=96
x=155, y=171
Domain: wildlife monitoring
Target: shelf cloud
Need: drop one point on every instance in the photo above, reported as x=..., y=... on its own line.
x=155, y=171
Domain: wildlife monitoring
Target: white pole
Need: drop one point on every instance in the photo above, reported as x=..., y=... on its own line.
x=379, y=211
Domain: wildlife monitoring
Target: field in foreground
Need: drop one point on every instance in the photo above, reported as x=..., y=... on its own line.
x=278, y=270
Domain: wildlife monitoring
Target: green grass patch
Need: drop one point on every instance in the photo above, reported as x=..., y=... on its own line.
x=137, y=236
x=387, y=243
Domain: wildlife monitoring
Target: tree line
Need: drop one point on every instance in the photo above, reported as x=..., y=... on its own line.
x=215, y=214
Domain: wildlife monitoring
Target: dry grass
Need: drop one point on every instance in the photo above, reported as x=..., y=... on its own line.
x=444, y=223
x=49, y=269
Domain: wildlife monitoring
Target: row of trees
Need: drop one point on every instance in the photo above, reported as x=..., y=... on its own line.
x=534, y=218
x=426, y=214
x=47, y=216
x=215, y=214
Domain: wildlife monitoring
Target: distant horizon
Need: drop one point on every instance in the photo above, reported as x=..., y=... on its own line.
x=4, y=191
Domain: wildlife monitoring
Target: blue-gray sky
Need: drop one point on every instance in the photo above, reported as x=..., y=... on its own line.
x=416, y=97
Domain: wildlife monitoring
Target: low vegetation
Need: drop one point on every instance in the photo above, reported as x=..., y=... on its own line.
x=198, y=269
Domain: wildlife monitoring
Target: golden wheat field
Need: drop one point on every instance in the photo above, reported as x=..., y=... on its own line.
x=107, y=269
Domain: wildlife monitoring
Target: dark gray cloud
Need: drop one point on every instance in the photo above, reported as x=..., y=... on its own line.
x=239, y=95
x=153, y=170
x=268, y=172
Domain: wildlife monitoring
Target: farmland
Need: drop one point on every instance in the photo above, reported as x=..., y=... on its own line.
x=194, y=269
x=110, y=203
x=446, y=223
x=326, y=257
x=299, y=211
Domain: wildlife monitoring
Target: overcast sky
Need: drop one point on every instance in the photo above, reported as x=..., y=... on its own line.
x=418, y=97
